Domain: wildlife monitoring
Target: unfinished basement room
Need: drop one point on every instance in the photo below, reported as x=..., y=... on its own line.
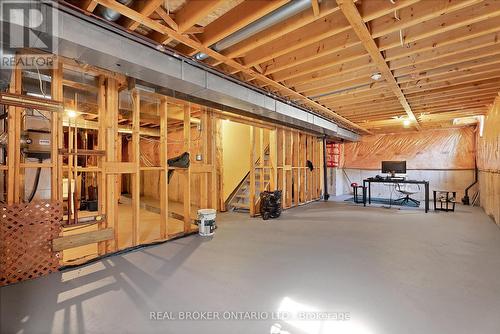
x=250, y=166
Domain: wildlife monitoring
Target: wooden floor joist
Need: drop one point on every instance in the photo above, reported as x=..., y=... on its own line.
x=324, y=56
x=124, y=10
x=349, y=9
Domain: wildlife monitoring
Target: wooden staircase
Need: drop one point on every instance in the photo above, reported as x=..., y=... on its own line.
x=240, y=199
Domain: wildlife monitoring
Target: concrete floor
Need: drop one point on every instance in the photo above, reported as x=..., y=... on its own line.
x=391, y=271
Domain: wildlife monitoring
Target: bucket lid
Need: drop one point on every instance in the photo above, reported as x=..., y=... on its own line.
x=207, y=212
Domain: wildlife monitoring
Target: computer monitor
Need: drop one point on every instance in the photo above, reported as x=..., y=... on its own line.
x=394, y=167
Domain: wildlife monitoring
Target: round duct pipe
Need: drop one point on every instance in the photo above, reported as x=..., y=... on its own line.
x=261, y=24
x=109, y=14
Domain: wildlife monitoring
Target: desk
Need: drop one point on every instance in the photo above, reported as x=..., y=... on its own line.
x=382, y=180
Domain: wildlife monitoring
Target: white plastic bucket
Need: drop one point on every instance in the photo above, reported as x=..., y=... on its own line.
x=206, y=222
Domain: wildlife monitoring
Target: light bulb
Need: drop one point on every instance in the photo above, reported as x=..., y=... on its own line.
x=71, y=113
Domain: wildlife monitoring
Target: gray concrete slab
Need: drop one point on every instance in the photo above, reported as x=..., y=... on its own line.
x=391, y=271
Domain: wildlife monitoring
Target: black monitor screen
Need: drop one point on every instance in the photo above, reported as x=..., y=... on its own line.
x=398, y=167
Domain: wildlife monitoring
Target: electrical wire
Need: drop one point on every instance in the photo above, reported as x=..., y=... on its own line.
x=169, y=140
x=40, y=81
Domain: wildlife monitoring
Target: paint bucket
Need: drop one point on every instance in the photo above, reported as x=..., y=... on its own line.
x=206, y=222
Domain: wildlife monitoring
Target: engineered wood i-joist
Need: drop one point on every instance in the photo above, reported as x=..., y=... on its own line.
x=287, y=60
x=289, y=170
x=212, y=159
x=296, y=161
x=56, y=94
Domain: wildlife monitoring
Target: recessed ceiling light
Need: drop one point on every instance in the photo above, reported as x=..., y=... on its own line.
x=376, y=76
x=406, y=123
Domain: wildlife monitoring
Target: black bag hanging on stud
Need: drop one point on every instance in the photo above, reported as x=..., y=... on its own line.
x=309, y=165
x=181, y=161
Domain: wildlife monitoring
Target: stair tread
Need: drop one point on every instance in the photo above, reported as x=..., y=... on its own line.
x=240, y=205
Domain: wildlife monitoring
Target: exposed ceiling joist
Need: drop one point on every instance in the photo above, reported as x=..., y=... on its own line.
x=167, y=18
x=147, y=8
x=437, y=55
x=278, y=30
x=351, y=13
x=89, y=5
x=177, y=35
x=315, y=7
x=193, y=11
x=235, y=19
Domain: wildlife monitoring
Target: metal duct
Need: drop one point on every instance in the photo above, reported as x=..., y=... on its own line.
x=261, y=24
x=109, y=14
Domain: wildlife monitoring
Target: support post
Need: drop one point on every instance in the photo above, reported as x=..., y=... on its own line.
x=187, y=172
x=13, y=150
x=136, y=175
x=164, y=169
x=112, y=195
x=101, y=145
x=251, y=195
x=273, y=160
x=56, y=94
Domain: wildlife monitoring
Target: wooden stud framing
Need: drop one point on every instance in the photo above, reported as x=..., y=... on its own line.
x=330, y=64
x=296, y=163
x=101, y=145
x=187, y=172
x=136, y=176
x=164, y=169
x=13, y=149
x=253, y=137
x=111, y=124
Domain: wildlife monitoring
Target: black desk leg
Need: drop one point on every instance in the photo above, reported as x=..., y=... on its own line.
x=426, y=197
x=369, y=193
x=364, y=193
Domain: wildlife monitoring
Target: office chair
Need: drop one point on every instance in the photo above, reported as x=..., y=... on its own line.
x=407, y=189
